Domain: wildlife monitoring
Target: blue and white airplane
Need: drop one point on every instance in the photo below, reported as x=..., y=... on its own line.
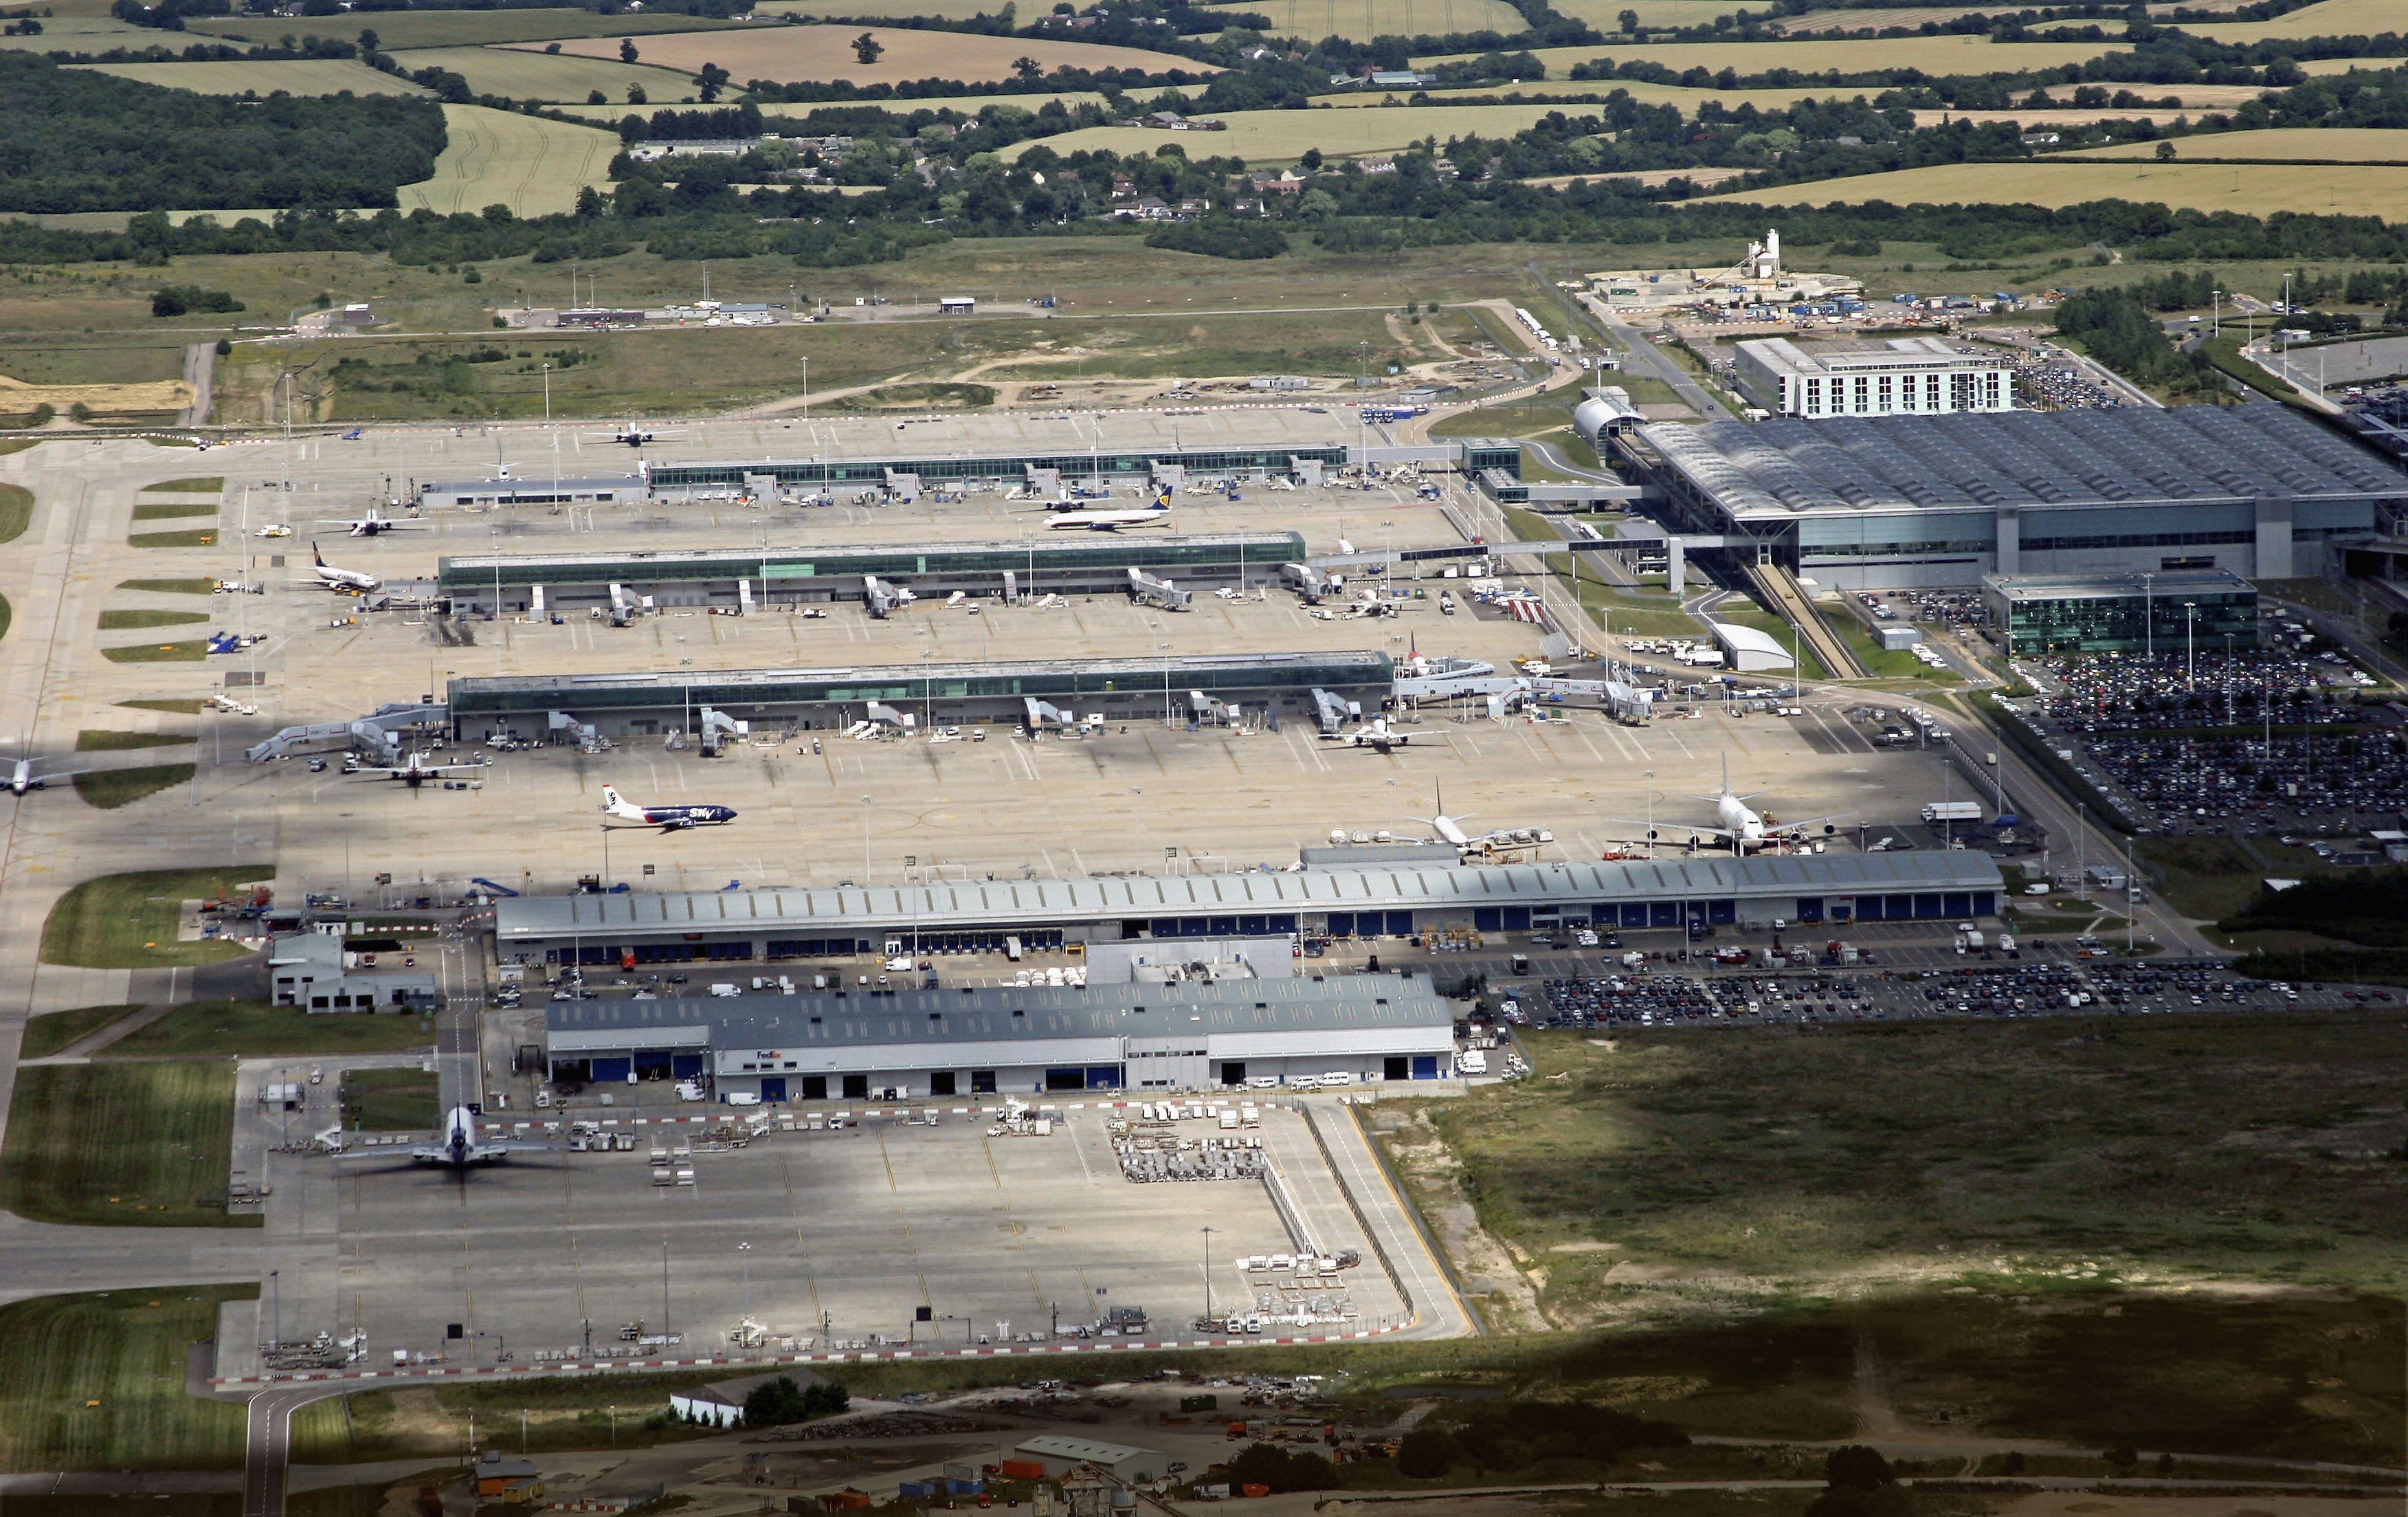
x=667, y=818
x=1156, y=514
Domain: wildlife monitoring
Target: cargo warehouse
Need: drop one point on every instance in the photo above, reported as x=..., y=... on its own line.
x=1863, y=503
x=1057, y=693
x=884, y=1045
x=1356, y=902
x=1084, y=563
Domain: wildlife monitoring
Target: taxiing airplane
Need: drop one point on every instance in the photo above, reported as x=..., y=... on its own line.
x=1378, y=736
x=341, y=580
x=460, y=1148
x=413, y=771
x=667, y=818
x=22, y=777
x=1106, y=520
x=373, y=523
x=635, y=435
x=1739, y=825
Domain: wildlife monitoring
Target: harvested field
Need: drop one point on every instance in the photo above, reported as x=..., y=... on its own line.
x=793, y=54
x=1936, y=55
x=294, y=76
x=2276, y=145
x=951, y=10
x=1363, y=20
x=1873, y=19
x=519, y=74
x=497, y=157
x=2328, y=18
x=2252, y=189
x=397, y=30
x=1640, y=90
x=1606, y=15
x=1281, y=137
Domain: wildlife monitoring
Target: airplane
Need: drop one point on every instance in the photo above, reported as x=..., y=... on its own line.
x=1378, y=736
x=1450, y=828
x=369, y=525
x=460, y=1150
x=22, y=777
x=1740, y=826
x=1156, y=514
x=634, y=435
x=341, y=580
x=413, y=772
x=667, y=818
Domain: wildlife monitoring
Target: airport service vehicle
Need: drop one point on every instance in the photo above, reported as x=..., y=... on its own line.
x=1953, y=811
x=616, y=807
x=1742, y=828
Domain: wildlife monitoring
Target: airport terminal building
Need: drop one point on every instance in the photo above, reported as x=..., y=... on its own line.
x=1036, y=692
x=1897, y=501
x=1046, y=563
x=1008, y=1040
x=1369, y=901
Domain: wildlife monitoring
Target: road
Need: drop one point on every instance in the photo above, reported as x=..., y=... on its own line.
x=200, y=372
x=267, y=1446
x=1645, y=357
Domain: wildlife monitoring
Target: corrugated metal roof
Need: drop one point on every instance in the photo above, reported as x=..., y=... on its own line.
x=1400, y=886
x=1008, y=1014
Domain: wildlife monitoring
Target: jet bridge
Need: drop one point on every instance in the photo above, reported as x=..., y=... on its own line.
x=886, y=715
x=1210, y=711
x=588, y=739
x=903, y=488
x=1305, y=581
x=719, y=728
x=375, y=737
x=1147, y=590
x=1333, y=713
x=1044, y=714
x=882, y=598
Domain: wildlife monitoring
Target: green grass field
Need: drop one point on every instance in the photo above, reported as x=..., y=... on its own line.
x=391, y=1100
x=164, y=510
x=521, y=74
x=263, y=76
x=181, y=705
x=128, y=921
x=49, y=1032
x=127, y=619
x=7, y=615
x=121, y=1144
x=2252, y=189
x=397, y=30
x=189, y=652
x=16, y=511
x=111, y=740
x=496, y=157
x=96, y=1382
x=256, y=1030
x=110, y=788
x=190, y=485
x=198, y=585
x=191, y=537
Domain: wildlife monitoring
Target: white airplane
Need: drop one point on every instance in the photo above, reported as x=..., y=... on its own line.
x=1378, y=736
x=413, y=771
x=667, y=818
x=341, y=580
x=460, y=1147
x=1742, y=826
x=635, y=435
x=372, y=523
x=1156, y=514
x=22, y=777
x=1448, y=828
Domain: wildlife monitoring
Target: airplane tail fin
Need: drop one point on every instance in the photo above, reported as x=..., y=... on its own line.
x=318, y=555
x=616, y=804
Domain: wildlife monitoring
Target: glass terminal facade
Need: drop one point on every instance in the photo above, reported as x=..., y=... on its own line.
x=2123, y=612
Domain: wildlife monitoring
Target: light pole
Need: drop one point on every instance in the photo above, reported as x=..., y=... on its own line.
x=1650, y=777
x=746, y=1250
x=806, y=389
x=665, y=1293
x=2149, y=616
x=865, y=842
x=2190, y=658
x=1208, y=1274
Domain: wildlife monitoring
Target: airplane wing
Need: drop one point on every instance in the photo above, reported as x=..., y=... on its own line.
x=1811, y=821
x=1666, y=829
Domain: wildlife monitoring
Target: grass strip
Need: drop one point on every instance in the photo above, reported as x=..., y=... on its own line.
x=53, y=1031
x=122, y=1144
x=252, y=1028
x=128, y=921
x=96, y=1380
x=190, y=651
x=16, y=511
x=197, y=484
x=195, y=538
x=128, y=619
x=391, y=1100
x=194, y=584
x=110, y=739
x=110, y=788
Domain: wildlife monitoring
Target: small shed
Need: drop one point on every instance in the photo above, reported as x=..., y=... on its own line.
x=1751, y=651
x=1061, y=1455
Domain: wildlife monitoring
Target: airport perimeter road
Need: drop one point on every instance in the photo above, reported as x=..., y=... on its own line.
x=1439, y=1312
x=268, y=1452
x=1646, y=359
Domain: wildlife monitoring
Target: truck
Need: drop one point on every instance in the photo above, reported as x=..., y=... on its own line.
x=1953, y=811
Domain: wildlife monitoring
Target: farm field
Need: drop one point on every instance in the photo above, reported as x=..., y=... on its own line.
x=2327, y=18
x=1645, y=94
x=2255, y=189
x=1281, y=137
x=793, y=54
x=969, y=104
x=1874, y=19
x=397, y=30
x=1606, y=15
x=294, y=76
x=83, y=33
x=522, y=74
x=2279, y=144
x=96, y=1382
x=533, y=166
x=1363, y=20
x=1938, y=55
x=126, y=1144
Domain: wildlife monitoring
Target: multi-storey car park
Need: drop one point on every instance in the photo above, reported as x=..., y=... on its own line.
x=870, y=1045
x=1040, y=692
x=1901, y=502
x=1353, y=902
x=1086, y=563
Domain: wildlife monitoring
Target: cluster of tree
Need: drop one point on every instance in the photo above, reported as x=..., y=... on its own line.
x=1280, y=1469
x=166, y=15
x=1062, y=80
x=1503, y=1436
x=779, y=1402
x=203, y=52
x=2114, y=327
x=2369, y=906
x=177, y=299
x=1859, y=1483
x=1221, y=236
x=72, y=139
